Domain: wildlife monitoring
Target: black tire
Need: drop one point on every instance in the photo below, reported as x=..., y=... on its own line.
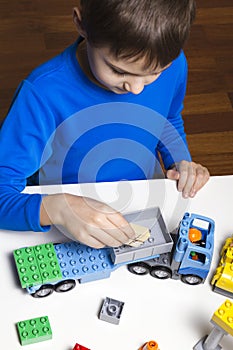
x=161, y=272
x=192, y=280
x=139, y=268
x=43, y=291
x=64, y=286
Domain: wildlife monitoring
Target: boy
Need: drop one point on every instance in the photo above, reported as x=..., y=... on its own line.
x=130, y=54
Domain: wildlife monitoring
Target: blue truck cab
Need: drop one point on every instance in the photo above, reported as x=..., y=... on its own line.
x=190, y=258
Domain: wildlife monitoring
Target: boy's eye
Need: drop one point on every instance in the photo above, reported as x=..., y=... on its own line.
x=117, y=72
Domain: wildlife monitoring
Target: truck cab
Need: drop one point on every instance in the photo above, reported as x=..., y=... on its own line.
x=191, y=255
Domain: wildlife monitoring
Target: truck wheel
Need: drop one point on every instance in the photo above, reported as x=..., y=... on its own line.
x=65, y=286
x=139, y=268
x=191, y=279
x=161, y=272
x=44, y=291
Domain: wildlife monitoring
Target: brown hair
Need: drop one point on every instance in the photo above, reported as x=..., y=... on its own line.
x=133, y=29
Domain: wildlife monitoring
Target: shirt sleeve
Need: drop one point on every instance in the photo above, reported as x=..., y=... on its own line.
x=173, y=144
x=23, y=137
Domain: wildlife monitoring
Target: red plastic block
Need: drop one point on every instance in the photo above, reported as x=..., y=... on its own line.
x=80, y=347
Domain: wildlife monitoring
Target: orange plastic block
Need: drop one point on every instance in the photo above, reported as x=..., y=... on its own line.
x=151, y=345
x=195, y=235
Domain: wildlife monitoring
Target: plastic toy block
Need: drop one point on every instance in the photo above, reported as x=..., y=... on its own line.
x=194, y=235
x=222, y=280
x=37, y=265
x=159, y=241
x=78, y=261
x=27, y=267
x=142, y=234
x=223, y=317
x=229, y=255
x=210, y=342
x=222, y=320
x=111, y=310
x=48, y=262
x=225, y=278
x=150, y=345
x=195, y=259
x=79, y=347
x=34, y=330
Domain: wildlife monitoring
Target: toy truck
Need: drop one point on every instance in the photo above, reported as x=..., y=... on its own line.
x=222, y=280
x=185, y=254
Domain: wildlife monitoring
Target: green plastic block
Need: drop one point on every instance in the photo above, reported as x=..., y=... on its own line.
x=37, y=265
x=28, y=271
x=48, y=263
x=34, y=330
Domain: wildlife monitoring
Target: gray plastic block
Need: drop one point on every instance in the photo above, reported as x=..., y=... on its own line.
x=159, y=241
x=111, y=310
x=201, y=345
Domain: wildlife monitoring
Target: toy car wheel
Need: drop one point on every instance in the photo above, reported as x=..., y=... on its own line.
x=44, y=291
x=191, y=279
x=139, y=268
x=64, y=286
x=161, y=272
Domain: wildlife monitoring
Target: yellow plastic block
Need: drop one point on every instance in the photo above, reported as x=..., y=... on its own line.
x=217, y=275
x=142, y=234
x=223, y=317
x=226, y=280
x=228, y=243
x=223, y=277
x=229, y=255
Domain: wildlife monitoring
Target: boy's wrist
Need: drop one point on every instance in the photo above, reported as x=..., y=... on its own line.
x=51, y=209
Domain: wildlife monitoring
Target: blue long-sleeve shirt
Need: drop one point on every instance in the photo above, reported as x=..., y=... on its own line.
x=72, y=130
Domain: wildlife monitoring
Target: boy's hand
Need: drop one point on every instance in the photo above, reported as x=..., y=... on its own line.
x=191, y=177
x=89, y=221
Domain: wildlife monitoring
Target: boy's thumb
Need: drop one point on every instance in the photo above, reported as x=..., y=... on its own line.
x=173, y=174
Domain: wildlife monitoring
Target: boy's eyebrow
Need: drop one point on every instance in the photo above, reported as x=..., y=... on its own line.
x=125, y=72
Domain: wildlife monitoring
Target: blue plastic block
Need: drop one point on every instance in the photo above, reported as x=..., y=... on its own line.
x=82, y=262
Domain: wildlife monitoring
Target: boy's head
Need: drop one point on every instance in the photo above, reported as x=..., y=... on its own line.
x=151, y=32
x=155, y=29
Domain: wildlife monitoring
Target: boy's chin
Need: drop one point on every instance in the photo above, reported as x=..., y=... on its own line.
x=118, y=91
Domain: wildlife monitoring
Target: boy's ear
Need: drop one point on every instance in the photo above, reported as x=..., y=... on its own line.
x=77, y=18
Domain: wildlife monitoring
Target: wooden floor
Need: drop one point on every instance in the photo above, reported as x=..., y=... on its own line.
x=31, y=31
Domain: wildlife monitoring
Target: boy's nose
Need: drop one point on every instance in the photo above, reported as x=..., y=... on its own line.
x=135, y=86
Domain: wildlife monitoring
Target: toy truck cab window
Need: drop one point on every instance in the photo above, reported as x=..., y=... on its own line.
x=198, y=257
x=199, y=231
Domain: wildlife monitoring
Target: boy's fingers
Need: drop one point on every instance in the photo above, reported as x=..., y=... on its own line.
x=122, y=225
x=187, y=178
x=173, y=174
x=109, y=234
x=109, y=237
x=184, y=173
x=93, y=242
x=191, y=177
x=202, y=176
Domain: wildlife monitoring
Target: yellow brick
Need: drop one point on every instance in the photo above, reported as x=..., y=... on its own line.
x=223, y=317
x=226, y=280
x=229, y=255
x=142, y=234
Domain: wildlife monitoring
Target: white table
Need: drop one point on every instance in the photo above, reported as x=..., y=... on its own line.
x=172, y=313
